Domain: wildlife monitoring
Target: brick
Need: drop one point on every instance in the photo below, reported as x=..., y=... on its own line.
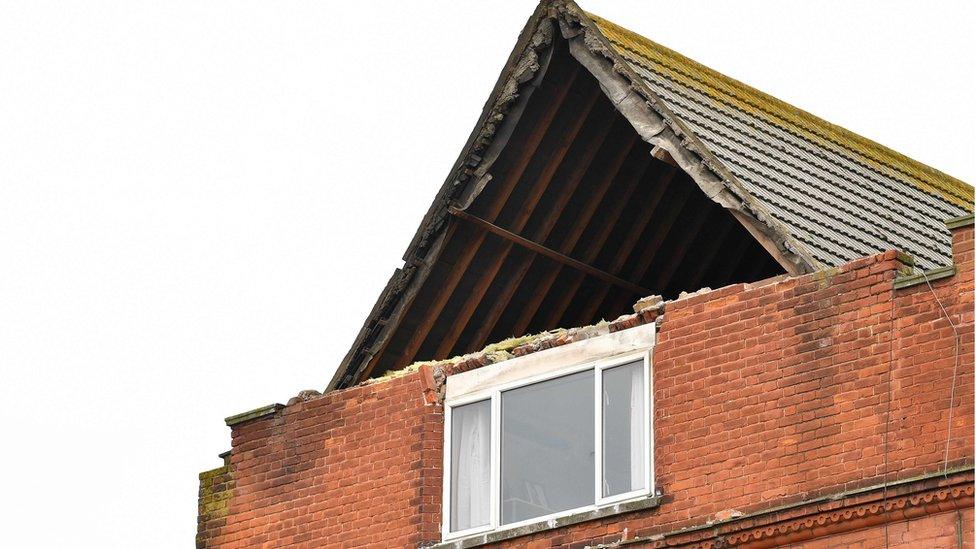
x=763, y=395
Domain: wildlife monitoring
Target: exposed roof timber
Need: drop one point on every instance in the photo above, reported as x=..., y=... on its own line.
x=682, y=246
x=488, y=320
x=535, y=247
x=662, y=154
x=656, y=125
x=580, y=222
x=665, y=218
x=590, y=251
x=507, y=185
x=630, y=242
x=475, y=296
x=707, y=254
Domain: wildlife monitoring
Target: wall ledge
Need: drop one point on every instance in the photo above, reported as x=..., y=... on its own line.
x=932, y=275
x=551, y=524
x=961, y=221
x=268, y=410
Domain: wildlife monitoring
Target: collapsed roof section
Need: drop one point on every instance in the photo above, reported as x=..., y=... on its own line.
x=605, y=168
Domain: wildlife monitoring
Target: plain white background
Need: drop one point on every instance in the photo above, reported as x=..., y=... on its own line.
x=200, y=201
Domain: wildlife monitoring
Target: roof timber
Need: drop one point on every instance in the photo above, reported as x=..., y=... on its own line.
x=580, y=223
x=551, y=216
x=461, y=265
x=580, y=266
x=630, y=242
x=488, y=321
x=590, y=250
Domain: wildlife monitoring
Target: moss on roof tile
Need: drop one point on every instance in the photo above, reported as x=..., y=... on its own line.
x=673, y=65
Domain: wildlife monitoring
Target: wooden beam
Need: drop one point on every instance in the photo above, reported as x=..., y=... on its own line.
x=681, y=247
x=569, y=242
x=500, y=304
x=604, y=227
x=678, y=193
x=663, y=155
x=729, y=261
x=604, y=122
x=432, y=310
x=630, y=243
x=548, y=252
x=707, y=254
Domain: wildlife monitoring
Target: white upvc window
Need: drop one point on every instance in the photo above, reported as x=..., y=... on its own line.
x=555, y=433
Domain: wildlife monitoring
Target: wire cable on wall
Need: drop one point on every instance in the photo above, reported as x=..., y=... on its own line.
x=955, y=371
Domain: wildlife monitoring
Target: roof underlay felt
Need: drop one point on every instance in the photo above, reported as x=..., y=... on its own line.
x=606, y=167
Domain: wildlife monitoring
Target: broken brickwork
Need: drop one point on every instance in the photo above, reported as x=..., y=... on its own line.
x=811, y=411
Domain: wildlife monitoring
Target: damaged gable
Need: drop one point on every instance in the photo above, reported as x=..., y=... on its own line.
x=605, y=168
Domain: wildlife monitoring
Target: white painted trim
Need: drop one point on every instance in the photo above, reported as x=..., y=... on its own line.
x=486, y=379
x=601, y=501
x=488, y=383
x=446, y=495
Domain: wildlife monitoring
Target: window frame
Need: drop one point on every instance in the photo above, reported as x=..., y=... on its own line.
x=493, y=394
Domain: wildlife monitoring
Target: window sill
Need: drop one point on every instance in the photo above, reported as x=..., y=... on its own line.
x=478, y=540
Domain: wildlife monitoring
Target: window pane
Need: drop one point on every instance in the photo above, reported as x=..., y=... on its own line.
x=624, y=438
x=470, y=465
x=547, y=447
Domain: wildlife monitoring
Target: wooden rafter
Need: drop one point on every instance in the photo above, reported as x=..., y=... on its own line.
x=601, y=231
x=535, y=247
x=707, y=254
x=626, y=250
x=569, y=242
x=579, y=229
x=491, y=319
x=681, y=246
x=433, y=310
x=605, y=122
x=678, y=193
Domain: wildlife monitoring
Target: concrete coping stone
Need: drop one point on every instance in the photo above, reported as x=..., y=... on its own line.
x=961, y=221
x=268, y=410
x=932, y=275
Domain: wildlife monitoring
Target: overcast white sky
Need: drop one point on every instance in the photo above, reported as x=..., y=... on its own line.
x=200, y=201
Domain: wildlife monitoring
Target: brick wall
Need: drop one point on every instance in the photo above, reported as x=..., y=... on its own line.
x=766, y=396
x=939, y=530
x=350, y=468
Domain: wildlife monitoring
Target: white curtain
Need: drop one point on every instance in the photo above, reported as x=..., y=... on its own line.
x=473, y=473
x=637, y=434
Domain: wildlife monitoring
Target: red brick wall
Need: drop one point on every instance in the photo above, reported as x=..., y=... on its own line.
x=351, y=468
x=940, y=530
x=781, y=392
x=764, y=396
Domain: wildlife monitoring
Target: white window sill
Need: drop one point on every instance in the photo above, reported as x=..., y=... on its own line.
x=503, y=533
